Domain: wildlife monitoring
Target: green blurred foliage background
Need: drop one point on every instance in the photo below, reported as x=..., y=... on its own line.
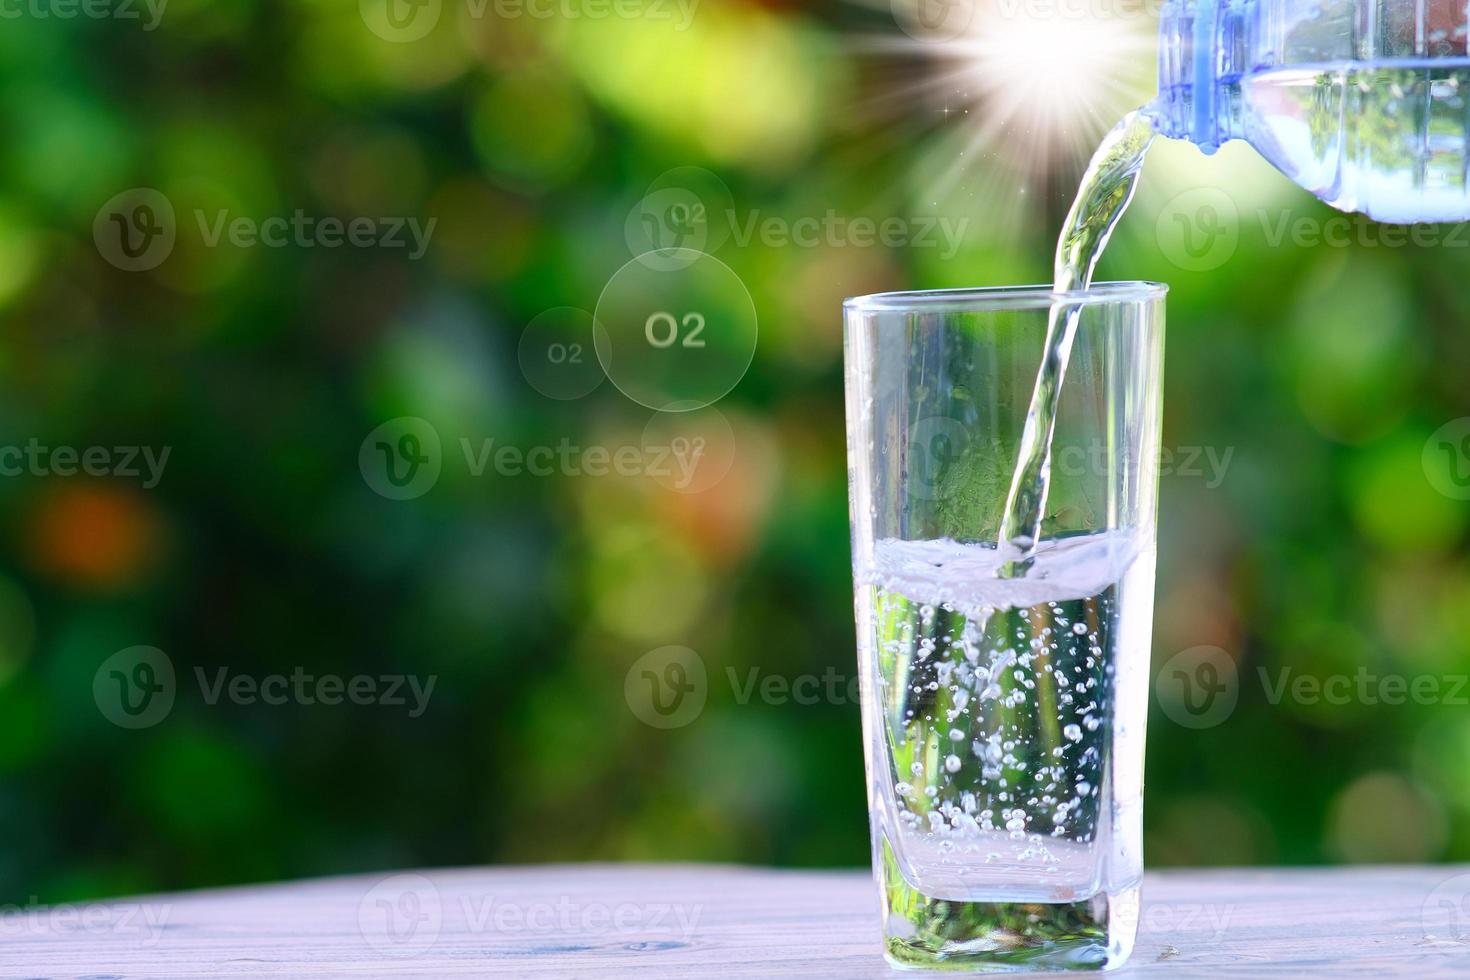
x=1322, y=369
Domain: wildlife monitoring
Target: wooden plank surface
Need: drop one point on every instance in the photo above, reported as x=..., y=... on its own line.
x=655, y=921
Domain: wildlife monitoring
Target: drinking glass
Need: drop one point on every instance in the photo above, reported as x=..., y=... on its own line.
x=1003, y=711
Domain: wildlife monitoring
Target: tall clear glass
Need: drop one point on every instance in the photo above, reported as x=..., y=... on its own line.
x=1003, y=718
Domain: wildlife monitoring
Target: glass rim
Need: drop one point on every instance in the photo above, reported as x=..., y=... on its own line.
x=995, y=298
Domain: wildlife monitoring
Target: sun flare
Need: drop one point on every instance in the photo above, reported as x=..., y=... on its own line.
x=1008, y=94
x=1055, y=73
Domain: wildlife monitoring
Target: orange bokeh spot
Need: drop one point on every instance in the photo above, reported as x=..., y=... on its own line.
x=93, y=537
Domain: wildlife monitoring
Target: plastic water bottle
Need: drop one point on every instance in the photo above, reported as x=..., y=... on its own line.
x=1365, y=103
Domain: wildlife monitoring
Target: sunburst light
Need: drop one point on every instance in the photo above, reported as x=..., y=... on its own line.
x=1010, y=92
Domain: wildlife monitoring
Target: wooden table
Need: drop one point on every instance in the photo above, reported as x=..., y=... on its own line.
x=654, y=921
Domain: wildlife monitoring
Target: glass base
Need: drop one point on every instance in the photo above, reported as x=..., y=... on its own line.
x=927, y=933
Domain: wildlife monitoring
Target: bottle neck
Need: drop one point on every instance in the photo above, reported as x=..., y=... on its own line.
x=1202, y=45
